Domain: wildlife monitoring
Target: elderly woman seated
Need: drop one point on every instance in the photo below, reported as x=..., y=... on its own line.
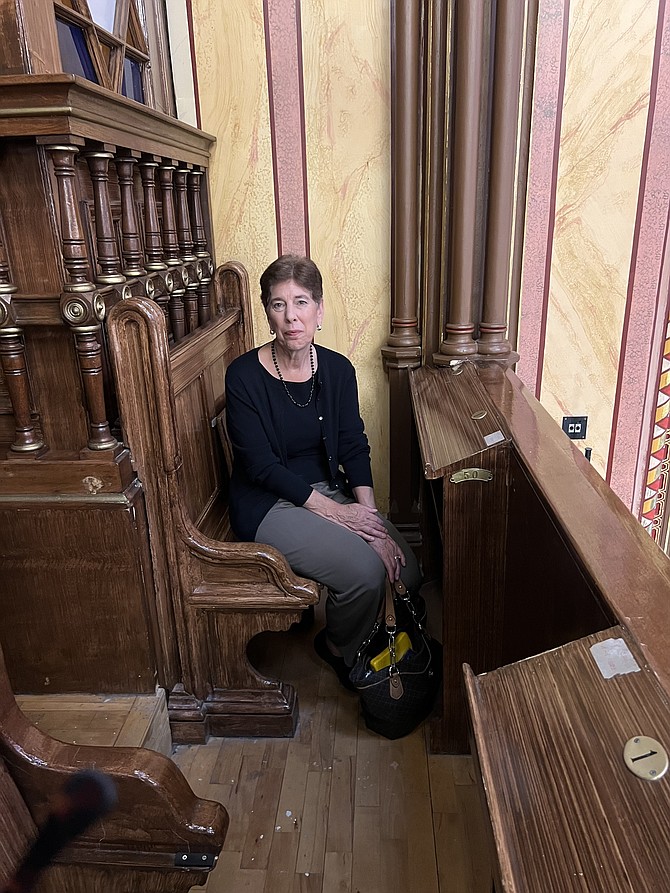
x=301, y=476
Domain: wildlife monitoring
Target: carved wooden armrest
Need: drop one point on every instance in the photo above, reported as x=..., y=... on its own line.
x=157, y=811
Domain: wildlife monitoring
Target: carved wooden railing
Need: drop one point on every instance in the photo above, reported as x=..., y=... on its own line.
x=128, y=203
x=101, y=200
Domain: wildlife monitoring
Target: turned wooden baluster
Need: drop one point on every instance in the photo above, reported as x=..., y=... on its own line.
x=205, y=267
x=153, y=243
x=131, y=246
x=82, y=307
x=105, y=237
x=73, y=245
x=14, y=368
x=177, y=282
x=185, y=239
x=184, y=233
x=170, y=244
x=84, y=315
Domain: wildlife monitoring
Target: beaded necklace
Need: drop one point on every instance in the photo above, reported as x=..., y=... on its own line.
x=281, y=377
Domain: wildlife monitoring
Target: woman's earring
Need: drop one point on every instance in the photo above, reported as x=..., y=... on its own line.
x=272, y=331
x=318, y=328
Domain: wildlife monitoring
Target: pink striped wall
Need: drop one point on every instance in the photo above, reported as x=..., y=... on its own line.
x=283, y=47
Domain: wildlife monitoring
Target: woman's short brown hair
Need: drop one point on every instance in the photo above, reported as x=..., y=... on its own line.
x=290, y=266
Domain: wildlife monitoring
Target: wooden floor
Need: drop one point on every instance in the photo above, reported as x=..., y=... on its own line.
x=337, y=808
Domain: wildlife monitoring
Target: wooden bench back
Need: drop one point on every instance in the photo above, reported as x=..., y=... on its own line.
x=213, y=594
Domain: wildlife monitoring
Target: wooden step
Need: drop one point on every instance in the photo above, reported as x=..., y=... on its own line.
x=106, y=720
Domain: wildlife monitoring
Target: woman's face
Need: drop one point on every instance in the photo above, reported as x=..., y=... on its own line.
x=293, y=314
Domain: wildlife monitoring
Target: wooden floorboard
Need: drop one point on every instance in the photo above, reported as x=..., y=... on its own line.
x=338, y=809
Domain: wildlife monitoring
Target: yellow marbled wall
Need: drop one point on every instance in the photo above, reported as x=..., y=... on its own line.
x=610, y=51
x=346, y=53
x=346, y=47
x=234, y=106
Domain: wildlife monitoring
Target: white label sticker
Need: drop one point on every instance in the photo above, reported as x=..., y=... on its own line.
x=494, y=437
x=614, y=658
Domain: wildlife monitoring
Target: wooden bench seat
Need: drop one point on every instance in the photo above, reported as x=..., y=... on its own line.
x=213, y=594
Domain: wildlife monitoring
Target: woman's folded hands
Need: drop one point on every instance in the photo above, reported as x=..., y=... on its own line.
x=361, y=519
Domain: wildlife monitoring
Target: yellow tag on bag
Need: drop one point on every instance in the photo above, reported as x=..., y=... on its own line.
x=403, y=643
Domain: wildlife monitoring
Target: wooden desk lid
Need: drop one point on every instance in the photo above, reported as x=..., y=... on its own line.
x=455, y=416
x=567, y=814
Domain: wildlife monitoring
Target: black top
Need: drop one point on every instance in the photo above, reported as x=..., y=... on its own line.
x=261, y=424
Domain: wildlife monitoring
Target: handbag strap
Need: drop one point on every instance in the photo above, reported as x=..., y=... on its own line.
x=396, y=689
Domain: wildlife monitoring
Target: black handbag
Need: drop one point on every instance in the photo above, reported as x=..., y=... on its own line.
x=397, y=697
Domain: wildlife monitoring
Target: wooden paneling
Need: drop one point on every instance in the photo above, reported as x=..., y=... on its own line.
x=549, y=599
x=29, y=220
x=78, y=604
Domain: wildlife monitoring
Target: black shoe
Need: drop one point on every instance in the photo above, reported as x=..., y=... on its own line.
x=336, y=662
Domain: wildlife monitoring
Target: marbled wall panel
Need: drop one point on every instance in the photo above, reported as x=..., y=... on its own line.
x=346, y=51
x=232, y=76
x=605, y=108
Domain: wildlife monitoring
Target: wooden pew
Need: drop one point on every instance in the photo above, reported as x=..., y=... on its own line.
x=541, y=562
x=213, y=593
x=139, y=846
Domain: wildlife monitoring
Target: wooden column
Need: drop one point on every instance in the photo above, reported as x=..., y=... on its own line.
x=464, y=279
x=205, y=266
x=402, y=351
x=435, y=179
x=170, y=243
x=153, y=244
x=82, y=307
x=105, y=237
x=131, y=246
x=502, y=178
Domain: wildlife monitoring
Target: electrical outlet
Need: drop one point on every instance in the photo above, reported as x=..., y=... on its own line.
x=575, y=426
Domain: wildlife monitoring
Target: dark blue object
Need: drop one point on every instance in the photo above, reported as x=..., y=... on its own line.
x=74, y=54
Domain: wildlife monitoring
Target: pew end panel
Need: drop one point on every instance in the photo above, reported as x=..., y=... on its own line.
x=134, y=846
x=219, y=593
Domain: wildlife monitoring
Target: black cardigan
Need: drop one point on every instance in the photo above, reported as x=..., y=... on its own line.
x=255, y=420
